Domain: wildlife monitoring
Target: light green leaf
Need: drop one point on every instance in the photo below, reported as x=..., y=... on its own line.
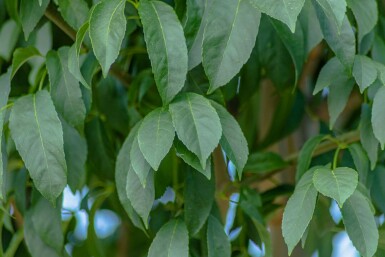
x=74, y=54
x=286, y=11
x=166, y=47
x=306, y=154
x=329, y=72
x=74, y=12
x=38, y=135
x=191, y=159
x=341, y=40
x=42, y=230
x=155, y=136
x=139, y=164
x=141, y=198
x=368, y=140
x=338, y=184
x=378, y=116
x=197, y=124
x=170, y=241
x=228, y=42
x=75, y=149
x=122, y=165
x=335, y=10
x=366, y=14
x=264, y=162
x=199, y=195
x=364, y=71
x=218, y=243
x=9, y=35
x=30, y=14
x=299, y=210
x=360, y=224
x=232, y=141
x=5, y=89
x=21, y=56
x=65, y=89
x=107, y=29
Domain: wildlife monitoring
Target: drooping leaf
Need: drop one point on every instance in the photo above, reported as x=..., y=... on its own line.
x=166, y=47
x=377, y=187
x=197, y=124
x=360, y=224
x=42, y=230
x=310, y=26
x=329, y=72
x=334, y=10
x=368, y=140
x=74, y=12
x=378, y=116
x=170, y=241
x=286, y=11
x=138, y=162
x=299, y=210
x=199, y=195
x=21, y=56
x=191, y=159
x=232, y=141
x=30, y=14
x=264, y=162
x=5, y=88
x=305, y=155
x=338, y=184
x=9, y=34
x=107, y=29
x=38, y=135
x=361, y=162
x=122, y=164
x=65, y=90
x=366, y=14
x=218, y=243
x=228, y=42
x=155, y=136
x=364, y=71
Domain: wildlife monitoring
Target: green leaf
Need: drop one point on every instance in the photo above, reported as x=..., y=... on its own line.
x=299, y=210
x=232, y=141
x=21, y=56
x=30, y=14
x=286, y=11
x=368, y=140
x=306, y=154
x=74, y=54
x=38, y=135
x=338, y=184
x=170, y=241
x=378, y=116
x=65, y=90
x=5, y=89
x=155, y=136
x=107, y=29
x=310, y=26
x=335, y=10
x=361, y=162
x=366, y=14
x=364, y=71
x=199, y=195
x=9, y=35
x=342, y=41
x=139, y=164
x=218, y=243
x=360, y=224
x=329, y=72
x=166, y=46
x=75, y=149
x=264, y=162
x=42, y=230
x=74, y=12
x=122, y=163
x=191, y=159
x=377, y=187
x=228, y=42
x=197, y=124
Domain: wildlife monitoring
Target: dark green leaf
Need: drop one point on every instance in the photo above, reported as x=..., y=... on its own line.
x=197, y=124
x=264, y=162
x=218, y=243
x=366, y=14
x=310, y=26
x=30, y=14
x=334, y=10
x=228, y=42
x=329, y=72
x=139, y=164
x=74, y=12
x=361, y=162
x=155, y=136
x=9, y=35
x=166, y=47
x=360, y=224
x=107, y=29
x=378, y=116
x=368, y=140
x=170, y=241
x=364, y=71
x=38, y=135
x=21, y=56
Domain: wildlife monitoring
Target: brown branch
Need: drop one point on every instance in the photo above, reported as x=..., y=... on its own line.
x=54, y=16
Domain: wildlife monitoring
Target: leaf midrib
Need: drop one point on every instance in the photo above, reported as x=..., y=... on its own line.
x=108, y=29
